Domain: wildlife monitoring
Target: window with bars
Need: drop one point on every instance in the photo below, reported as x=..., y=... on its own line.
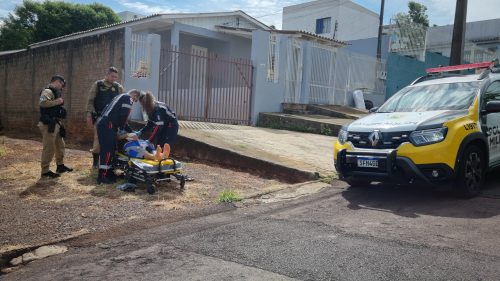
x=323, y=25
x=140, y=52
x=272, y=59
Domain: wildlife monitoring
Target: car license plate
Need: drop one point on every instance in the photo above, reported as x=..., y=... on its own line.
x=367, y=163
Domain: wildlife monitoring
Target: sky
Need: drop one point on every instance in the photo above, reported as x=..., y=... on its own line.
x=440, y=12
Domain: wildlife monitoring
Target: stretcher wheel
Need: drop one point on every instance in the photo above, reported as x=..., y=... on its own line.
x=150, y=189
x=183, y=181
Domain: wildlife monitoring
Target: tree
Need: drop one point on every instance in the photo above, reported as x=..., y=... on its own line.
x=36, y=21
x=417, y=13
x=409, y=30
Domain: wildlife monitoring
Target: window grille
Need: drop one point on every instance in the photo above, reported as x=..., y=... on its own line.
x=140, y=61
x=273, y=59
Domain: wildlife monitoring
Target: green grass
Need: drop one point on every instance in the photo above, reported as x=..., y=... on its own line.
x=326, y=131
x=228, y=196
x=328, y=178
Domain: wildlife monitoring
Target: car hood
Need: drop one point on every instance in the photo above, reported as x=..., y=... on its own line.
x=404, y=121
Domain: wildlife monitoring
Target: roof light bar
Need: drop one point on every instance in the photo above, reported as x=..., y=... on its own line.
x=460, y=67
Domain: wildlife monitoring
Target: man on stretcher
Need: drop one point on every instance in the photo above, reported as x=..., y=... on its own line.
x=137, y=148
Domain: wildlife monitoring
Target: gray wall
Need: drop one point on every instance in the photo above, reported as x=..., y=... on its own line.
x=368, y=46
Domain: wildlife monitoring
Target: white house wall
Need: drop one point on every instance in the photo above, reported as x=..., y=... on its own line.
x=186, y=36
x=354, y=22
x=267, y=95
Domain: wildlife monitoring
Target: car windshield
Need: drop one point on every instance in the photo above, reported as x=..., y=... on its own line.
x=450, y=96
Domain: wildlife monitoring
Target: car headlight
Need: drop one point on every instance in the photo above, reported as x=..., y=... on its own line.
x=425, y=137
x=342, y=138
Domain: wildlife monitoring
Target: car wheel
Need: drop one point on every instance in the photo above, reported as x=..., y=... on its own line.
x=358, y=183
x=471, y=172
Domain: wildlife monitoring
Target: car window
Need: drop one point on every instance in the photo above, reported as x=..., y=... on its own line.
x=492, y=92
x=449, y=96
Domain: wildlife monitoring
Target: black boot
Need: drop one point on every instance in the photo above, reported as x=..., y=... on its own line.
x=50, y=174
x=108, y=179
x=95, y=162
x=61, y=169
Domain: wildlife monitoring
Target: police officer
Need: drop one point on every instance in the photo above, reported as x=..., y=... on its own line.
x=161, y=119
x=100, y=94
x=51, y=113
x=114, y=116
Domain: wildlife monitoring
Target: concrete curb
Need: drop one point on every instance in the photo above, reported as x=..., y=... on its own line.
x=191, y=148
x=285, y=187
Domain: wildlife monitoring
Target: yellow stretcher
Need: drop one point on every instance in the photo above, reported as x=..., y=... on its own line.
x=150, y=172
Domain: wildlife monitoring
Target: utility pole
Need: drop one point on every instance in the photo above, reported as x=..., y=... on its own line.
x=381, y=23
x=457, y=42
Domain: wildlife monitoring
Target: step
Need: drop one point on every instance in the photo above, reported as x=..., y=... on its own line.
x=315, y=124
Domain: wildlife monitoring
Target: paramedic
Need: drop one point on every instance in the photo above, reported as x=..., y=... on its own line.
x=162, y=119
x=114, y=115
x=51, y=113
x=100, y=94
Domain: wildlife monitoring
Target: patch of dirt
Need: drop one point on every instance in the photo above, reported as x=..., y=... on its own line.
x=34, y=211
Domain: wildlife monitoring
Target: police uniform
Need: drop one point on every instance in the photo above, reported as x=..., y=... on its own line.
x=100, y=94
x=51, y=113
x=114, y=116
x=164, y=123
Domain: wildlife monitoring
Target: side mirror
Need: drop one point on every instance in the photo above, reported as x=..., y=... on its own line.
x=373, y=109
x=492, y=107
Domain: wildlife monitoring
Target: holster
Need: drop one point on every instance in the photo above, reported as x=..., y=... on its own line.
x=51, y=126
x=62, y=131
x=49, y=121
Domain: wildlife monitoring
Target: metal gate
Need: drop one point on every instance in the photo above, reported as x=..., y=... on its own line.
x=293, y=72
x=207, y=87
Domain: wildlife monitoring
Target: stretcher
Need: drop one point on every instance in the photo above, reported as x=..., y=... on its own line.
x=150, y=172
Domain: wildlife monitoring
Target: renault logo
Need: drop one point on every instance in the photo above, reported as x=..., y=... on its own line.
x=374, y=137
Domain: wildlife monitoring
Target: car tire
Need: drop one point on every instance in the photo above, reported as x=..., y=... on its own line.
x=368, y=104
x=471, y=172
x=358, y=183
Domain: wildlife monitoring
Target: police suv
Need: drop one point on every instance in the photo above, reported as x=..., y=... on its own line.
x=443, y=129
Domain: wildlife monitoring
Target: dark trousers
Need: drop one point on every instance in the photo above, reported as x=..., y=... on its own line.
x=168, y=134
x=106, y=132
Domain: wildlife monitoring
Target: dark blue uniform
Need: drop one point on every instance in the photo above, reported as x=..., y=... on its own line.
x=114, y=115
x=164, y=124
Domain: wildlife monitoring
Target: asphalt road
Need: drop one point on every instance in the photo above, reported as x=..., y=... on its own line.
x=372, y=233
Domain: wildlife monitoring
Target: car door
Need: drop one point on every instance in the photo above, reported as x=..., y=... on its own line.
x=492, y=122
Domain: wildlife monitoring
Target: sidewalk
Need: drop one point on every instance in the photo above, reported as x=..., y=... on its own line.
x=305, y=152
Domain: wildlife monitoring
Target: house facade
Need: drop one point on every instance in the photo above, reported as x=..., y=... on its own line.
x=217, y=67
x=138, y=48
x=336, y=19
x=482, y=40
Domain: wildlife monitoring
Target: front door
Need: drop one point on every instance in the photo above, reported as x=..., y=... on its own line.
x=492, y=122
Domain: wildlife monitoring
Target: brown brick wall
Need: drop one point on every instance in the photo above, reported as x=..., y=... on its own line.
x=81, y=61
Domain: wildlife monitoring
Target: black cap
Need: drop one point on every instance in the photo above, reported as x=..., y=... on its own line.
x=58, y=77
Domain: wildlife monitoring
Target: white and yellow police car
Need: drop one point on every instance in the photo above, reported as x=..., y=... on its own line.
x=443, y=129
